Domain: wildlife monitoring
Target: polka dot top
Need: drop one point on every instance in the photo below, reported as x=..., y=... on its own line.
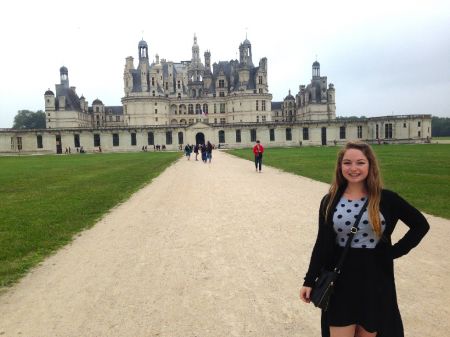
x=344, y=217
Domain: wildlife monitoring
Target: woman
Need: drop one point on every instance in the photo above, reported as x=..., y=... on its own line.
x=364, y=302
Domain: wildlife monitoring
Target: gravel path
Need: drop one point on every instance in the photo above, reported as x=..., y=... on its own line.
x=208, y=250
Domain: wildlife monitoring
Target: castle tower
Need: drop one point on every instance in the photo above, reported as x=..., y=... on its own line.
x=195, y=72
x=143, y=64
x=245, y=53
x=64, y=76
x=315, y=70
x=207, y=61
x=49, y=100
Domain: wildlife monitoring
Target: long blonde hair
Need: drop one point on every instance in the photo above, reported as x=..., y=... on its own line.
x=373, y=183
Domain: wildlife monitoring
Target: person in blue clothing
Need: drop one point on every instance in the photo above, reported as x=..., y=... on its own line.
x=209, y=149
x=364, y=302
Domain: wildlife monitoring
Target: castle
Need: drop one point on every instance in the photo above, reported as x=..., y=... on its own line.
x=227, y=102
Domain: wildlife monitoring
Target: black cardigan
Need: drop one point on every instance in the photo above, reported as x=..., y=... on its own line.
x=394, y=208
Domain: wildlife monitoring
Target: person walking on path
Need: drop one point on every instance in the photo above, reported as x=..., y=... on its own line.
x=188, y=151
x=258, y=151
x=364, y=302
x=203, y=151
x=196, y=151
x=209, y=149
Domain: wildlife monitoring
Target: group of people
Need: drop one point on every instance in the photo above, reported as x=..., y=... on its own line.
x=204, y=149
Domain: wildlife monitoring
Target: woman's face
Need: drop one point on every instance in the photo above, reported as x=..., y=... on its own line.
x=355, y=166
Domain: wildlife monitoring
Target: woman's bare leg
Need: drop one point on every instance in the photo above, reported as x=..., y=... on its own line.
x=343, y=331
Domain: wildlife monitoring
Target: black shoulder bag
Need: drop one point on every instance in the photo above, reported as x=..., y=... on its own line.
x=324, y=285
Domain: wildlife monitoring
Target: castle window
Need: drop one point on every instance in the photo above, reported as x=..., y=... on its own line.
x=133, y=139
x=76, y=140
x=263, y=105
x=179, y=95
x=222, y=108
x=263, y=118
x=305, y=133
x=115, y=139
x=238, y=136
x=388, y=131
x=156, y=111
x=190, y=109
x=221, y=94
x=342, y=132
x=110, y=118
x=260, y=80
x=205, y=108
x=272, y=135
x=257, y=105
x=222, y=120
x=178, y=85
x=150, y=138
x=180, y=137
x=97, y=139
x=404, y=125
x=198, y=109
x=153, y=93
x=97, y=109
x=117, y=118
x=260, y=91
x=169, y=137
x=257, y=119
x=153, y=81
x=359, y=131
x=288, y=134
x=221, y=136
x=221, y=84
x=418, y=123
x=215, y=108
x=39, y=141
x=253, y=135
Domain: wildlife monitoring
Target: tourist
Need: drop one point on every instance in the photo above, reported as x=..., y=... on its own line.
x=258, y=151
x=196, y=151
x=203, y=151
x=364, y=301
x=187, y=151
x=209, y=149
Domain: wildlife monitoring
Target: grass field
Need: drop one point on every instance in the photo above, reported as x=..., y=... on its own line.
x=420, y=173
x=47, y=199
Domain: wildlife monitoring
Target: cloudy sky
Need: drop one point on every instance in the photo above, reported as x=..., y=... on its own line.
x=384, y=57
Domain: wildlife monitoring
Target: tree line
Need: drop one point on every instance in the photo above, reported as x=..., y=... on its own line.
x=26, y=119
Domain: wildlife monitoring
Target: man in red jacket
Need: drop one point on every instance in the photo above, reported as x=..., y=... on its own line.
x=258, y=151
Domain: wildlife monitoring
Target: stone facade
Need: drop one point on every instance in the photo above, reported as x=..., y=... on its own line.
x=228, y=103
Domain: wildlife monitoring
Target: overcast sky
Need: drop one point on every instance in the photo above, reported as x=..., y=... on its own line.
x=384, y=57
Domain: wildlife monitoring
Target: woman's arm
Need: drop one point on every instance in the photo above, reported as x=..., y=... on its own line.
x=414, y=219
x=318, y=256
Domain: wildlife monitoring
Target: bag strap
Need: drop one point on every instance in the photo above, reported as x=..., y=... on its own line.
x=353, y=231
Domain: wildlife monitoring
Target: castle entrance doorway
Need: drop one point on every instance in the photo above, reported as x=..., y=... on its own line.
x=200, y=138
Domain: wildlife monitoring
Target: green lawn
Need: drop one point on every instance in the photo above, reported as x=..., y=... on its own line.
x=420, y=173
x=45, y=200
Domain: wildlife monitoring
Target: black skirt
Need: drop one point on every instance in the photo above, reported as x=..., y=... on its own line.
x=357, y=298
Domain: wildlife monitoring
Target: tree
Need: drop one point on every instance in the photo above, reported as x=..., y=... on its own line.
x=440, y=127
x=26, y=119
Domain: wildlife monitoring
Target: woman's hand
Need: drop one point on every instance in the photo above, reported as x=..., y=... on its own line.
x=305, y=293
